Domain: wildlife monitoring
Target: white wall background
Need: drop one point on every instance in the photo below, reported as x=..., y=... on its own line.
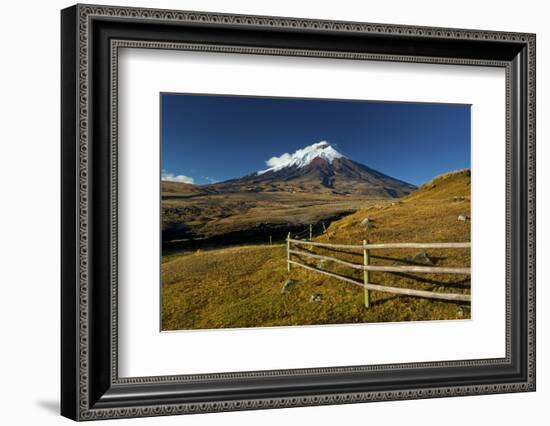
x=29, y=215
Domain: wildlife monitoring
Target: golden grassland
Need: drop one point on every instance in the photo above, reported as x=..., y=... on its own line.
x=241, y=286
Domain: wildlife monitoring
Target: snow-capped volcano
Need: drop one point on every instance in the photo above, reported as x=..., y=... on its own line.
x=302, y=157
x=317, y=168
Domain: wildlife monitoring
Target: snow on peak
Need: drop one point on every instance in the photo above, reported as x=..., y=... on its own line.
x=302, y=157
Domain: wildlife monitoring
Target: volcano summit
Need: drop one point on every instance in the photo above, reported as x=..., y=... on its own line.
x=318, y=167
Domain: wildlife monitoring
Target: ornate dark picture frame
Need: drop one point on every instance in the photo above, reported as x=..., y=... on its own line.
x=91, y=37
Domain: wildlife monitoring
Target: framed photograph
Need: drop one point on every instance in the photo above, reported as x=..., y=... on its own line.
x=263, y=212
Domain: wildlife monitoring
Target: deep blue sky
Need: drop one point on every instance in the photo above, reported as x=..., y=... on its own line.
x=215, y=138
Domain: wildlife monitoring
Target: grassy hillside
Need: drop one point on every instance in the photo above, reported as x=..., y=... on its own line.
x=452, y=185
x=241, y=286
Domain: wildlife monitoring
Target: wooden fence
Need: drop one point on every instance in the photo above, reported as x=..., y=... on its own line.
x=367, y=267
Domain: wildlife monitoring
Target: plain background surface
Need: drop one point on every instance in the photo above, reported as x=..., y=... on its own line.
x=29, y=225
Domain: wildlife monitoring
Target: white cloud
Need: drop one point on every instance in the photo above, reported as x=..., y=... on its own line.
x=171, y=177
x=276, y=162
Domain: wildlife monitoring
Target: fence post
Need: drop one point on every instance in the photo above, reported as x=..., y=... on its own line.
x=288, y=252
x=310, y=233
x=366, y=273
x=324, y=228
x=270, y=240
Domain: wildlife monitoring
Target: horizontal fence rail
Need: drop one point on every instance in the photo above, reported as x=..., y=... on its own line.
x=386, y=246
x=366, y=267
x=418, y=269
x=387, y=289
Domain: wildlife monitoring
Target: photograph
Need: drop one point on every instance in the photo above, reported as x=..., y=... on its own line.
x=294, y=211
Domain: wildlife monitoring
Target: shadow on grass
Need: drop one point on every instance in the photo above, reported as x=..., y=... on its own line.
x=435, y=260
x=460, y=284
x=382, y=302
x=393, y=297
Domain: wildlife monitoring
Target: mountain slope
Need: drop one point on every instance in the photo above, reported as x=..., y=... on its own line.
x=318, y=168
x=430, y=214
x=454, y=184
